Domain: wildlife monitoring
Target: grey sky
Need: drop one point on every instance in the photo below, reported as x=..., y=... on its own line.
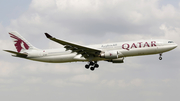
x=143, y=78
x=12, y=9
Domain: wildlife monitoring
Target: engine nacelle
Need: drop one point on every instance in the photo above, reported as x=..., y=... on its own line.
x=109, y=55
x=119, y=60
x=114, y=54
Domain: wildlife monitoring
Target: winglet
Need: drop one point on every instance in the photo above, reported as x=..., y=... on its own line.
x=47, y=35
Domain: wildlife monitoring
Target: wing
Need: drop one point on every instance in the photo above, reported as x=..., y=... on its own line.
x=79, y=49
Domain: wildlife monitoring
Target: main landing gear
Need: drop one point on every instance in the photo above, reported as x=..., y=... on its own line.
x=160, y=56
x=92, y=65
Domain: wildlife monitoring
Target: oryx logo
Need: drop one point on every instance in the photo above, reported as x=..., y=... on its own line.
x=19, y=43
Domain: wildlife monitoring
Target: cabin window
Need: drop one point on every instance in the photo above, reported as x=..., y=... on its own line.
x=170, y=42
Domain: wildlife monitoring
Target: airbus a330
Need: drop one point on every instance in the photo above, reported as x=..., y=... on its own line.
x=110, y=52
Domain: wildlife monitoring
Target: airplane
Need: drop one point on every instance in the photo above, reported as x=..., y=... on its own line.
x=72, y=52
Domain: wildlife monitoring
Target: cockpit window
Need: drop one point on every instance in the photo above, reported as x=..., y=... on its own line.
x=170, y=42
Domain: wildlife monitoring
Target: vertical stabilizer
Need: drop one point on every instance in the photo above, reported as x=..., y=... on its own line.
x=20, y=43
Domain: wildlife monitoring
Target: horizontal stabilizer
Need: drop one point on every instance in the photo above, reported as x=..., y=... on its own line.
x=17, y=54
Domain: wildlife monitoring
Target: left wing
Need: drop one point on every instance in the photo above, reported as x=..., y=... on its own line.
x=79, y=49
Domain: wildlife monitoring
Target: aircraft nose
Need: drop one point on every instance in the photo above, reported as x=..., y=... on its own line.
x=175, y=45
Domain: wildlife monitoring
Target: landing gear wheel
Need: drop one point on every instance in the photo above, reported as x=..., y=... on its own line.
x=160, y=58
x=87, y=66
x=96, y=65
x=92, y=68
x=91, y=63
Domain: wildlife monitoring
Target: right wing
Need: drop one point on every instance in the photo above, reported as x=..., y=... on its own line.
x=79, y=49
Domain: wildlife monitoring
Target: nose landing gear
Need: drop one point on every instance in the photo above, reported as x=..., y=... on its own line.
x=160, y=56
x=92, y=65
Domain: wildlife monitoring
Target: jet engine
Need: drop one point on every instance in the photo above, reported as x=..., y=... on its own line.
x=119, y=60
x=114, y=54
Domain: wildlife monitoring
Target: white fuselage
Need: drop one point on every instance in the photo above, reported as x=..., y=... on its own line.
x=124, y=49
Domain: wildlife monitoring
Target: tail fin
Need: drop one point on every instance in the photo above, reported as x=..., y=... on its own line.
x=20, y=43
